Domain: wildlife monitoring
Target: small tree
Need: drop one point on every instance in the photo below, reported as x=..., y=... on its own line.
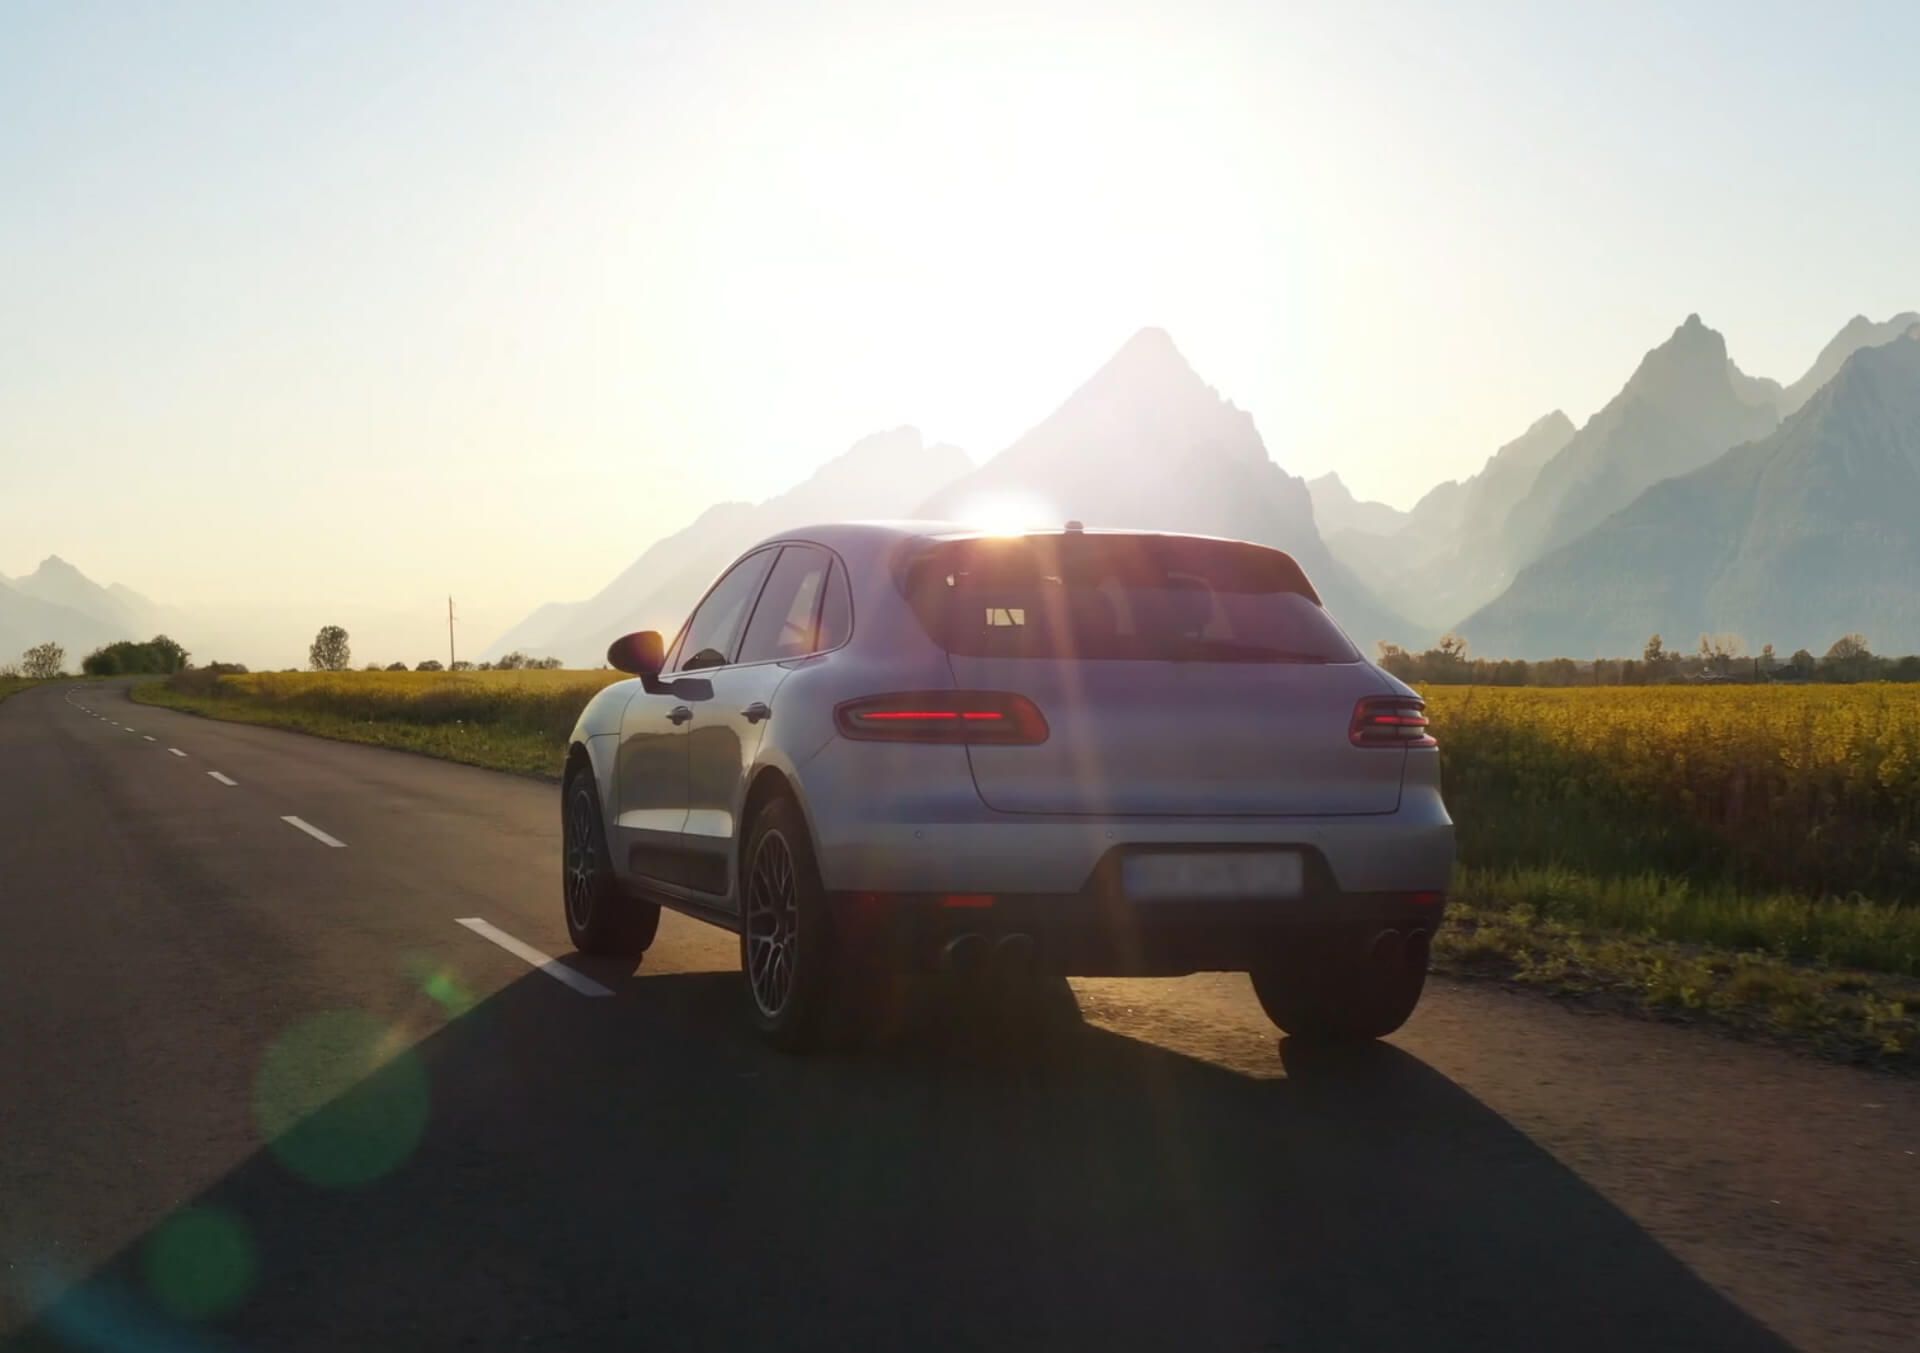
x=510, y=662
x=1655, y=653
x=462, y=665
x=330, y=651
x=1397, y=660
x=1850, y=659
x=1802, y=662
x=396, y=667
x=167, y=655
x=43, y=661
x=1717, y=651
x=430, y=665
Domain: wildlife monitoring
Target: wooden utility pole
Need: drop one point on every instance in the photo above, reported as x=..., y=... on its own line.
x=449, y=634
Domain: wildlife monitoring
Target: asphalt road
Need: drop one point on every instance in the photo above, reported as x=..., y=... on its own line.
x=261, y=1091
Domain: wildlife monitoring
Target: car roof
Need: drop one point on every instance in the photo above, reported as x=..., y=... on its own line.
x=837, y=534
x=867, y=544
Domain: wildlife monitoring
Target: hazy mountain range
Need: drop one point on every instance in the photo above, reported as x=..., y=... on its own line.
x=881, y=476
x=1684, y=505
x=58, y=603
x=1794, y=538
x=1518, y=557
x=1144, y=442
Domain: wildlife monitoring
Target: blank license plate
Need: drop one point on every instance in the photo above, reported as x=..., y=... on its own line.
x=1206, y=876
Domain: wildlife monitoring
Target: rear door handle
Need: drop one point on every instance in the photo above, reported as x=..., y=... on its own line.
x=756, y=711
x=679, y=714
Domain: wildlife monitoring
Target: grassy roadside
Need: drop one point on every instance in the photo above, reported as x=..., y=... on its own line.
x=494, y=745
x=13, y=685
x=1844, y=1014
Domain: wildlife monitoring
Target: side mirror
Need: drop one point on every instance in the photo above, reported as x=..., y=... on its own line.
x=642, y=654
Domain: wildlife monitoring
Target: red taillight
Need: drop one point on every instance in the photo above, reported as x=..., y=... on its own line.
x=967, y=901
x=943, y=716
x=1390, y=721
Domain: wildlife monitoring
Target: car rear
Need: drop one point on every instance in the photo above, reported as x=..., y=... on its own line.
x=1146, y=752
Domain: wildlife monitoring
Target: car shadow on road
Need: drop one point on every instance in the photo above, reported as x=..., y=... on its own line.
x=640, y=1173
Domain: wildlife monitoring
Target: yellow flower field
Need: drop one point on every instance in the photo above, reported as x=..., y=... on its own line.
x=1812, y=787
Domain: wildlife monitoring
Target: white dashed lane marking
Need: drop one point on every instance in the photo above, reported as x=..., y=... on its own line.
x=176, y=751
x=221, y=778
x=547, y=964
x=149, y=737
x=314, y=832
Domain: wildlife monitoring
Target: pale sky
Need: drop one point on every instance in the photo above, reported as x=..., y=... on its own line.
x=340, y=308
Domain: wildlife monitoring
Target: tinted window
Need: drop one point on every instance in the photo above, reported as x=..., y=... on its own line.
x=836, y=615
x=716, y=624
x=1145, y=598
x=784, y=622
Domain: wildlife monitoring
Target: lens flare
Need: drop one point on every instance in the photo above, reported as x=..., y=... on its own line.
x=1007, y=514
x=340, y=1099
x=200, y=1262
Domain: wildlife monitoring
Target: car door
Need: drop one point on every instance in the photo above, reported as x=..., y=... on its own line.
x=649, y=829
x=726, y=730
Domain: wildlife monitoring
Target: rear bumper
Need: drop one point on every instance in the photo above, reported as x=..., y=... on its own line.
x=897, y=840
x=979, y=851
x=1096, y=933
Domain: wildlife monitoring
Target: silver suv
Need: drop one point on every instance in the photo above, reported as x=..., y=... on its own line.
x=913, y=746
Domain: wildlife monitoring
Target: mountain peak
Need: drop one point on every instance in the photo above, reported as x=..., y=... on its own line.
x=1533, y=448
x=900, y=450
x=1148, y=366
x=1153, y=340
x=1693, y=331
x=1693, y=356
x=1554, y=424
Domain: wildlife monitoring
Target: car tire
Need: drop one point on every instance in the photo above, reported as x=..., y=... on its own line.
x=601, y=918
x=787, y=950
x=1342, y=990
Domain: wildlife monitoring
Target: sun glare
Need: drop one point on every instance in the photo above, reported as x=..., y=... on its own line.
x=1007, y=514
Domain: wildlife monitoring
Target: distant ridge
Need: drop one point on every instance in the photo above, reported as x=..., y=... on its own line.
x=1680, y=410
x=1335, y=509
x=879, y=476
x=1792, y=539
x=57, y=603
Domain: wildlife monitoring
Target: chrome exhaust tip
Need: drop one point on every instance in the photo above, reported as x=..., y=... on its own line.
x=964, y=953
x=1388, y=947
x=1013, y=954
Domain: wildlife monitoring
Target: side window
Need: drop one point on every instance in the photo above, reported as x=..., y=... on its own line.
x=836, y=614
x=784, y=622
x=715, y=626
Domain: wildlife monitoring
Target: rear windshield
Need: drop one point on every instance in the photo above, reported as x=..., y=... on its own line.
x=1139, y=598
